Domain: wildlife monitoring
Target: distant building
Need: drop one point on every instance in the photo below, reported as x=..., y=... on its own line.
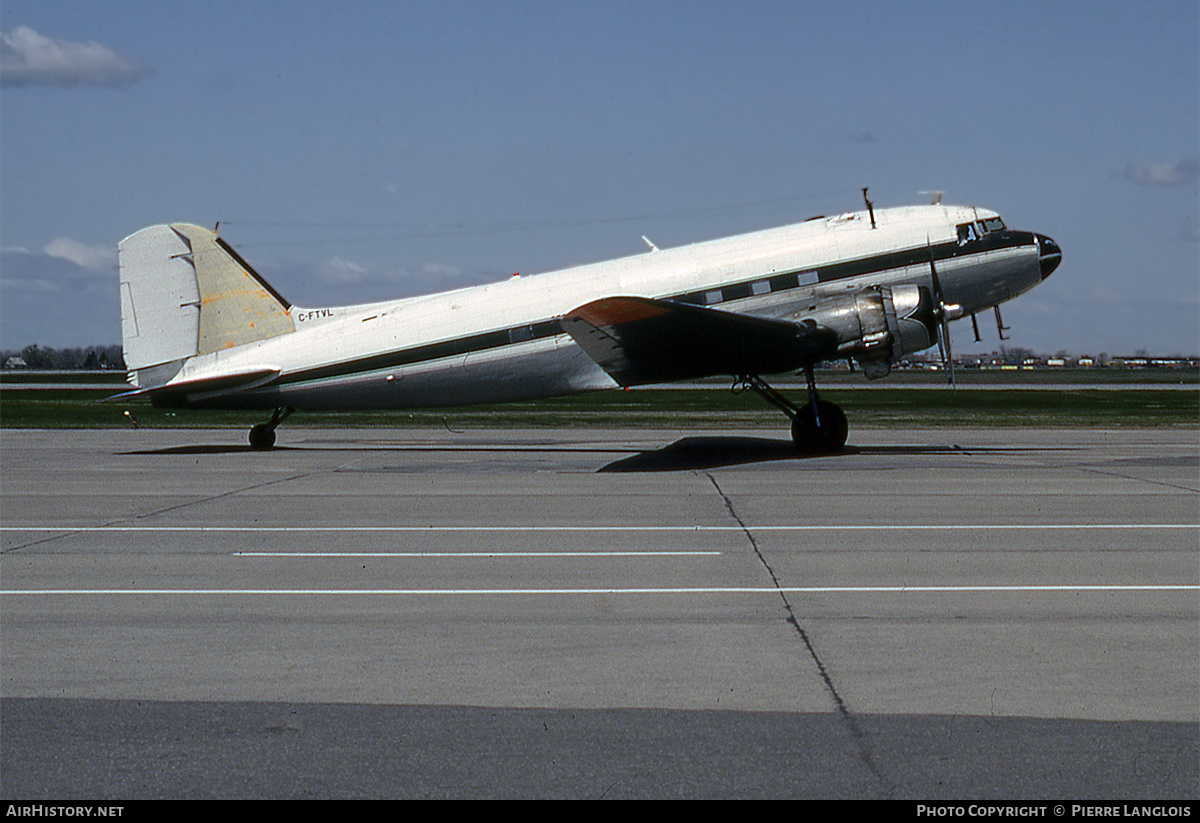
x=16, y=362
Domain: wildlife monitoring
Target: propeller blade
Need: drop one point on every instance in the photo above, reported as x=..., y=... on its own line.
x=943, y=322
x=934, y=279
x=949, y=357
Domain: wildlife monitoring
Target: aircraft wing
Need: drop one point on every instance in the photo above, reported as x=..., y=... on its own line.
x=638, y=340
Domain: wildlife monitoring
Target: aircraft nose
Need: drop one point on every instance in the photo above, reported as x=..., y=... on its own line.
x=1049, y=255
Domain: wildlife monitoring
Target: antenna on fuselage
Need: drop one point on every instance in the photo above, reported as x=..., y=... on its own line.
x=870, y=207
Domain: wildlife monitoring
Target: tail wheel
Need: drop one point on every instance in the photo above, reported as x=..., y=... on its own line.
x=829, y=435
x=262, y=436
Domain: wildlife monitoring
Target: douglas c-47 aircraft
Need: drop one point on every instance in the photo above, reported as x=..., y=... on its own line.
x=202, y=330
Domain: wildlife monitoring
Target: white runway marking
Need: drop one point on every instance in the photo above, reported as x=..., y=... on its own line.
x=549, y=554
x=557, y=592
x=723, y=528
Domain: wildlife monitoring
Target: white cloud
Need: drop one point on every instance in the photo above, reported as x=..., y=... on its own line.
x=93, y=258
x=443, y=271
x=341, y=272
x=1183, y=173
x=53, y=301
x=397, y=281
x=337, y=281
x=48, y=270
x=28, y=58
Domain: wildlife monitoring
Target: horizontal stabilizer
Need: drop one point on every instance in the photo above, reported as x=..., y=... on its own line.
x=186, y=392
x=638, y=340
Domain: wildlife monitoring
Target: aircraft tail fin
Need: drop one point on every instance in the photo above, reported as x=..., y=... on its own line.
x=185, y=292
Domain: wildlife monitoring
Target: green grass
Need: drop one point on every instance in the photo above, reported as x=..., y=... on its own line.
x=657, y=408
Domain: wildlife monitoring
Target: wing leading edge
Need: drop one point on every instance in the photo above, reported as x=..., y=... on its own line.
x=638, y=340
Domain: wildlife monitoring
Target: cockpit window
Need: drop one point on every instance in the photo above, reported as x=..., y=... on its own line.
x=970, y=232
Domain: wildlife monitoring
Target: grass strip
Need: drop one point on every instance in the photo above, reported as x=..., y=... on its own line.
x=654, y=408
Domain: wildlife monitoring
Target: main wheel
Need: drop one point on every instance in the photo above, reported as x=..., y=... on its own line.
x=825, y=438
x=262, y=436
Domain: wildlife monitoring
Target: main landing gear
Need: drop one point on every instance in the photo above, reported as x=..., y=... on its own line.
x=262, y=436
x=817, y=428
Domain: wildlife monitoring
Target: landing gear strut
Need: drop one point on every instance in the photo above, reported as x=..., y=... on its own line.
x=817, y=428
x=262, y=436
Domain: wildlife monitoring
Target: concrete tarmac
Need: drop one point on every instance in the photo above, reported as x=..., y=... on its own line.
x=981, y=613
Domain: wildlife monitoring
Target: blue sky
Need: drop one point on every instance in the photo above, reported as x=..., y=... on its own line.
x=360, y=150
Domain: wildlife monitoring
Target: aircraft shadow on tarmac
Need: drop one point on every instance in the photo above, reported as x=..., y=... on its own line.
x=686, y=454
x=693, y=453
x=208, y=449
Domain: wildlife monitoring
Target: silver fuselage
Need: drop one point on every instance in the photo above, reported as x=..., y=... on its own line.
x=502, y=341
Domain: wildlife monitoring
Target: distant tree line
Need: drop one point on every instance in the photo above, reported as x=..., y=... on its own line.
x=1017, y=356
x=110, y=357
x=36, y=357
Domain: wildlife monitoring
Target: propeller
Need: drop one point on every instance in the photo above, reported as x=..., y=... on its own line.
x=943, y=313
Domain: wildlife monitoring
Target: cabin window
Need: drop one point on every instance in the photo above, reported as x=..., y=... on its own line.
x=993, y=224
x=967, y=233
x=736, y=291
x=783, y=282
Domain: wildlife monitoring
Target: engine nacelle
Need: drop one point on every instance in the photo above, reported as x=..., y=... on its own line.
x=877, y=325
